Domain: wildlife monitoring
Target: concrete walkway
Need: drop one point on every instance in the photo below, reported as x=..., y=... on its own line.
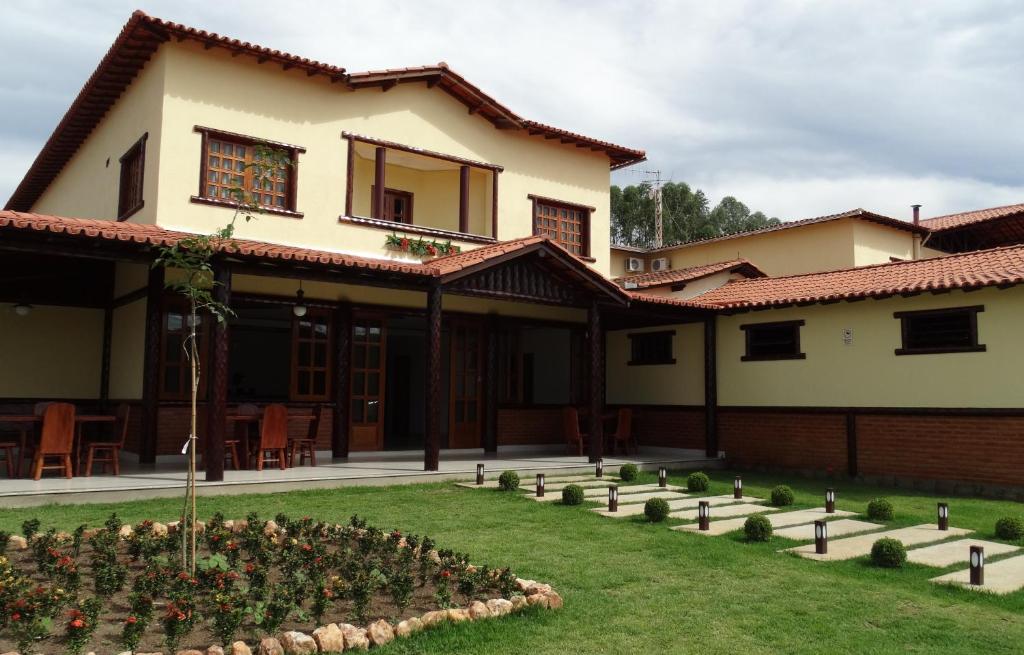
x=1002, y=577
x=779, y=520
x=836, y=528
x=956, y=552
x=601, y=496
x=632, y=490
x=737, y=509
x=634, y=509
x=859, y=546
x=530, y=483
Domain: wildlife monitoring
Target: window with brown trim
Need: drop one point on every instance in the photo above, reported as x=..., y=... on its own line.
x=768, y=341
x=397, y=205
x=311, y=355
x=133, y=167
x=175, y=367
x=229, y=166
x=564, y=223
x=651, y=348
x=932, y=331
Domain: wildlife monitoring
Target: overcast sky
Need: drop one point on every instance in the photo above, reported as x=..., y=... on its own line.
x=796, y=108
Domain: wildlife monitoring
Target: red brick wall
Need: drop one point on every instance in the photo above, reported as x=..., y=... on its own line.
x=783, y=440
x=669, y=427
x=530, y=426
x=983, y=449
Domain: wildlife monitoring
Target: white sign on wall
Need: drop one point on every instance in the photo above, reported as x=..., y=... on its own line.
x=847, y=336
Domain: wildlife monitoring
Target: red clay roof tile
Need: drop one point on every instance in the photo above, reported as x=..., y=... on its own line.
x=674, y=276
x=950, y=221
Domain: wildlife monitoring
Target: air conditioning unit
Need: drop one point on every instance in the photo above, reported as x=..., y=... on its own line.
x=635, y=265
x=659, y=264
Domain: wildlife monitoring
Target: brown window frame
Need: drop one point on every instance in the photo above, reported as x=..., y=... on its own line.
x=585, y=223
x=310, y=369
x=637, y=348
x=388, y=191
x=131, y=179
x=750, y=330
x=178, y=305
x=906, y=325
x=249, y=142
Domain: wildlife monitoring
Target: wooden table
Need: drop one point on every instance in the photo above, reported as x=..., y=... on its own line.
x=243, y=422
x=28, y=421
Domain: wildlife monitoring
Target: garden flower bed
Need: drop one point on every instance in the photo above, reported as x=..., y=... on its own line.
x=293, y=586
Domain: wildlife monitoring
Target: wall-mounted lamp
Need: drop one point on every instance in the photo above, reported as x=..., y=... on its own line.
x=22, y=309
x=299, y=308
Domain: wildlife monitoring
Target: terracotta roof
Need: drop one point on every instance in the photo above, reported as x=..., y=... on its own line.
x=638, y=297
x=995, y=267
x=674, y=276
x=853, y=213
x=951, y=221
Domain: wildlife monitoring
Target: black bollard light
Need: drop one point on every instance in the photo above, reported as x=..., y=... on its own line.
x=662, y=477
x=737, y=487
x=599, y=467
x=479, y=474
x=830, y=501
x=540, y=485
x=820, y=537
x=943, y=516
x=977, y=565
x=613, y=498
x=703, y=515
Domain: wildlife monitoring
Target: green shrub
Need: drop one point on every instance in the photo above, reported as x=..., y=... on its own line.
x=888, y=553
x=508, y=481
x=782, y=496
x=698, y=482
x=1010, y=528
x=656, y=510
x=572, y=495
x=628, y=472
x=758, y=528
x=880, y=509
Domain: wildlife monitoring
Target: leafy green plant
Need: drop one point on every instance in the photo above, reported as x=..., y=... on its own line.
x=508, y=481
x=698, y=482
x=82, y=623
x=29, y=528
x=572, y=494
x=656, y=510
x=880, y=509
x=1010, y=528
x=782, y=496
x=757, y=528
x=888, y=553
x=629, y=472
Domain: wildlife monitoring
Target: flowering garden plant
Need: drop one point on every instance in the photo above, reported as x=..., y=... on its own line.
x=420, y=247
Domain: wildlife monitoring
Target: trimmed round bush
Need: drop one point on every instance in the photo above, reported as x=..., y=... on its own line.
x=572, y=495
x=656, y=510
x=880, y=509
x=1010, y=528
x=698, y=482
x=782, y=496
x=888, y=553
x=628, y=472
x=758, y=528
x=508, y=481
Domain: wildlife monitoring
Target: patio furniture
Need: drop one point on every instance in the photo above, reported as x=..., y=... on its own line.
x=108, y=452
x=57, y=440
x=273, y=446
x=306, y=446
x=575, y=440
x=624, y=432
x=245, y=416
x=13, y=462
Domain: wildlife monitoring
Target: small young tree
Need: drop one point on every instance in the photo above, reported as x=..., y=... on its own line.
x=191, y=260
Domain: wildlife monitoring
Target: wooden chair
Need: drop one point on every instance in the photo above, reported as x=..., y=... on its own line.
x=232, y=445
x=57, y=440
x=273, y=437
x=13, y=461
x=109, y=452
x=575, y=440
x=624, y=432
x=306, y=446
x=29, y=436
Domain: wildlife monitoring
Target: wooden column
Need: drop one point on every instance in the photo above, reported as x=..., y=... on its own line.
x=350, y=175
x=596, y=360
x=342, y=378
x=432, y=397
x=491, y=387
x=108, y=336
x=464, y=199
x=710, y=388
x=217, y=384
x=151, y=366
x=379, y=182
x=494, y=204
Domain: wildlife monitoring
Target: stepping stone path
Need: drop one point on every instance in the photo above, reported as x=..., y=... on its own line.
x=528, y=481
x=740, y=509
x=601, y=495
x=1002, y=577
x=851, y=547
x=955, y=552
x=836, y=528
x=633, y=489
x=635, y=509
x=783, y=519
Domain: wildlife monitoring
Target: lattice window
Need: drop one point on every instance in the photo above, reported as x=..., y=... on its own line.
x=311, y=355
x=229, y=168
x=568, y=225
x=133, y=166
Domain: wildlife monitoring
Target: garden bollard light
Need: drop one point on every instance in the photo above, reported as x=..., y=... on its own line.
x=599, y=468
x=943, y=516
x=703, y=515
x=830, y=501
x=540, y=485
x=479, y=474
x=977, y=565
x=662, y=477
x=613, y=498
x=820, y=537
x=737, y=487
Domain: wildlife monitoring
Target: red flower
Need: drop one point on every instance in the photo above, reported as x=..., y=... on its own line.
x=446, y=574
x=131, y=620
x=405, y=244
x=15, y=617
x=431, y=249
x=307, y=547
x=77, y=623
x=183, y=576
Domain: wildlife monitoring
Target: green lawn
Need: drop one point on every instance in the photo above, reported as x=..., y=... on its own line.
x=633, y=587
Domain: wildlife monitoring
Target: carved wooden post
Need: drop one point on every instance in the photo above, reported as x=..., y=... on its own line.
x=596, y=336
x=432, y=398
x=491, y=387
x=464, y=199
x=151, y=366
x=342, y=378
x=377, y=210
x=710, y=388
x=217, y=407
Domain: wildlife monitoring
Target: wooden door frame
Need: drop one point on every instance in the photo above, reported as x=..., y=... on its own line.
x=480, y=326
x=360, y=317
